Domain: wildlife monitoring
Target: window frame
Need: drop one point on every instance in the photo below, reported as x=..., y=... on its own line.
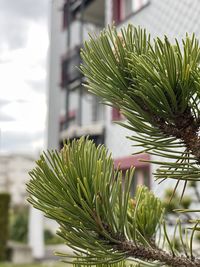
x=118, y=9
x=65, y=120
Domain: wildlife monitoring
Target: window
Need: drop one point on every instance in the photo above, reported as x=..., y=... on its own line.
x=71, y=9
x=69, y=70
x=97, y=109
x=142, y=170
x=141, y=177
x=65, y=122
x=65, y=7
x=124, y=8
x=128, y=7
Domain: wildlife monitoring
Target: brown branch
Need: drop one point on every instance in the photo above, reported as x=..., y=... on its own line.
x=155, y=254
x=151, y=254
x=183, y=127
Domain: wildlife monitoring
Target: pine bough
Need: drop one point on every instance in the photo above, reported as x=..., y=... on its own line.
x=156, y=86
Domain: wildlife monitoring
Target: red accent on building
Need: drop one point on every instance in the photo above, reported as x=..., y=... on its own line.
x=116, y=115
x=116, y=11
x=135, y=161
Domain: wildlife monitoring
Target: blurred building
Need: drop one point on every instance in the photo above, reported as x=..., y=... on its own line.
x=14, y=176
x=73, y=111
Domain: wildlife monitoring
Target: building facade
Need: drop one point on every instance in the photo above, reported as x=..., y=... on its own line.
x=13, y=179
x=73, y=111
x=14, y=176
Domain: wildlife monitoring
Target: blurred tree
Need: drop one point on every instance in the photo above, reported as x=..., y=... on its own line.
x=19, y=225
x=4, y=207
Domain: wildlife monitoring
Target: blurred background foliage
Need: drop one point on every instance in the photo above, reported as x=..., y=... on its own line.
x=4, y=209
x=19, y=221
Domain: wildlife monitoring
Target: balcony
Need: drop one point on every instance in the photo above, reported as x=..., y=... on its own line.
x=69, y=121
x=69, y=69
x=92, y=11
x=84, y=118
x=95, y=12
x=95, y=131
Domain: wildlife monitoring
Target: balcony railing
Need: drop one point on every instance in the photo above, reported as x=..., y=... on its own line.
x=88, y=10
x=70, y=120
x=71, y=61
x=69, y=67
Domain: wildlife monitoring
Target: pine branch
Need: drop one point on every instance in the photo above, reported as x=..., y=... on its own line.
x=152, y=254
x=156, y=85
x=184, y=128
x=81, y=191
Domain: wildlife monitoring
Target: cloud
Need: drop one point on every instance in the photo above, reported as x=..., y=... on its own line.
x=21, y=142
x=38, y=86
x=23, y=49
x=5, y=118
x=28, y=115
x=3, y=102
x=15, y=17
x=28, y=9
x=13, y=33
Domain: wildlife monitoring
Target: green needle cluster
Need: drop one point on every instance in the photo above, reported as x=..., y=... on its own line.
x=81, y=190
x=148, y=212
x=156, y=86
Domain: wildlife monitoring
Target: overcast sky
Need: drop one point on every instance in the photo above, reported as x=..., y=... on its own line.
x=23, y=71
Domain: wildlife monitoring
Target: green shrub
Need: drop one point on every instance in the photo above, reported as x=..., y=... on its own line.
x=19, y=226
x=4, y=206
x=172, y=200
x=51, y=239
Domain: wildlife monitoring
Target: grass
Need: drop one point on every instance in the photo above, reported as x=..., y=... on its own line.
x=36, y=265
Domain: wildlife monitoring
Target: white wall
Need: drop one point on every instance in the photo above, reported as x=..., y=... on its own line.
x=56, y=96
x=56, y=50
x=77, y=31
x=14, y=176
